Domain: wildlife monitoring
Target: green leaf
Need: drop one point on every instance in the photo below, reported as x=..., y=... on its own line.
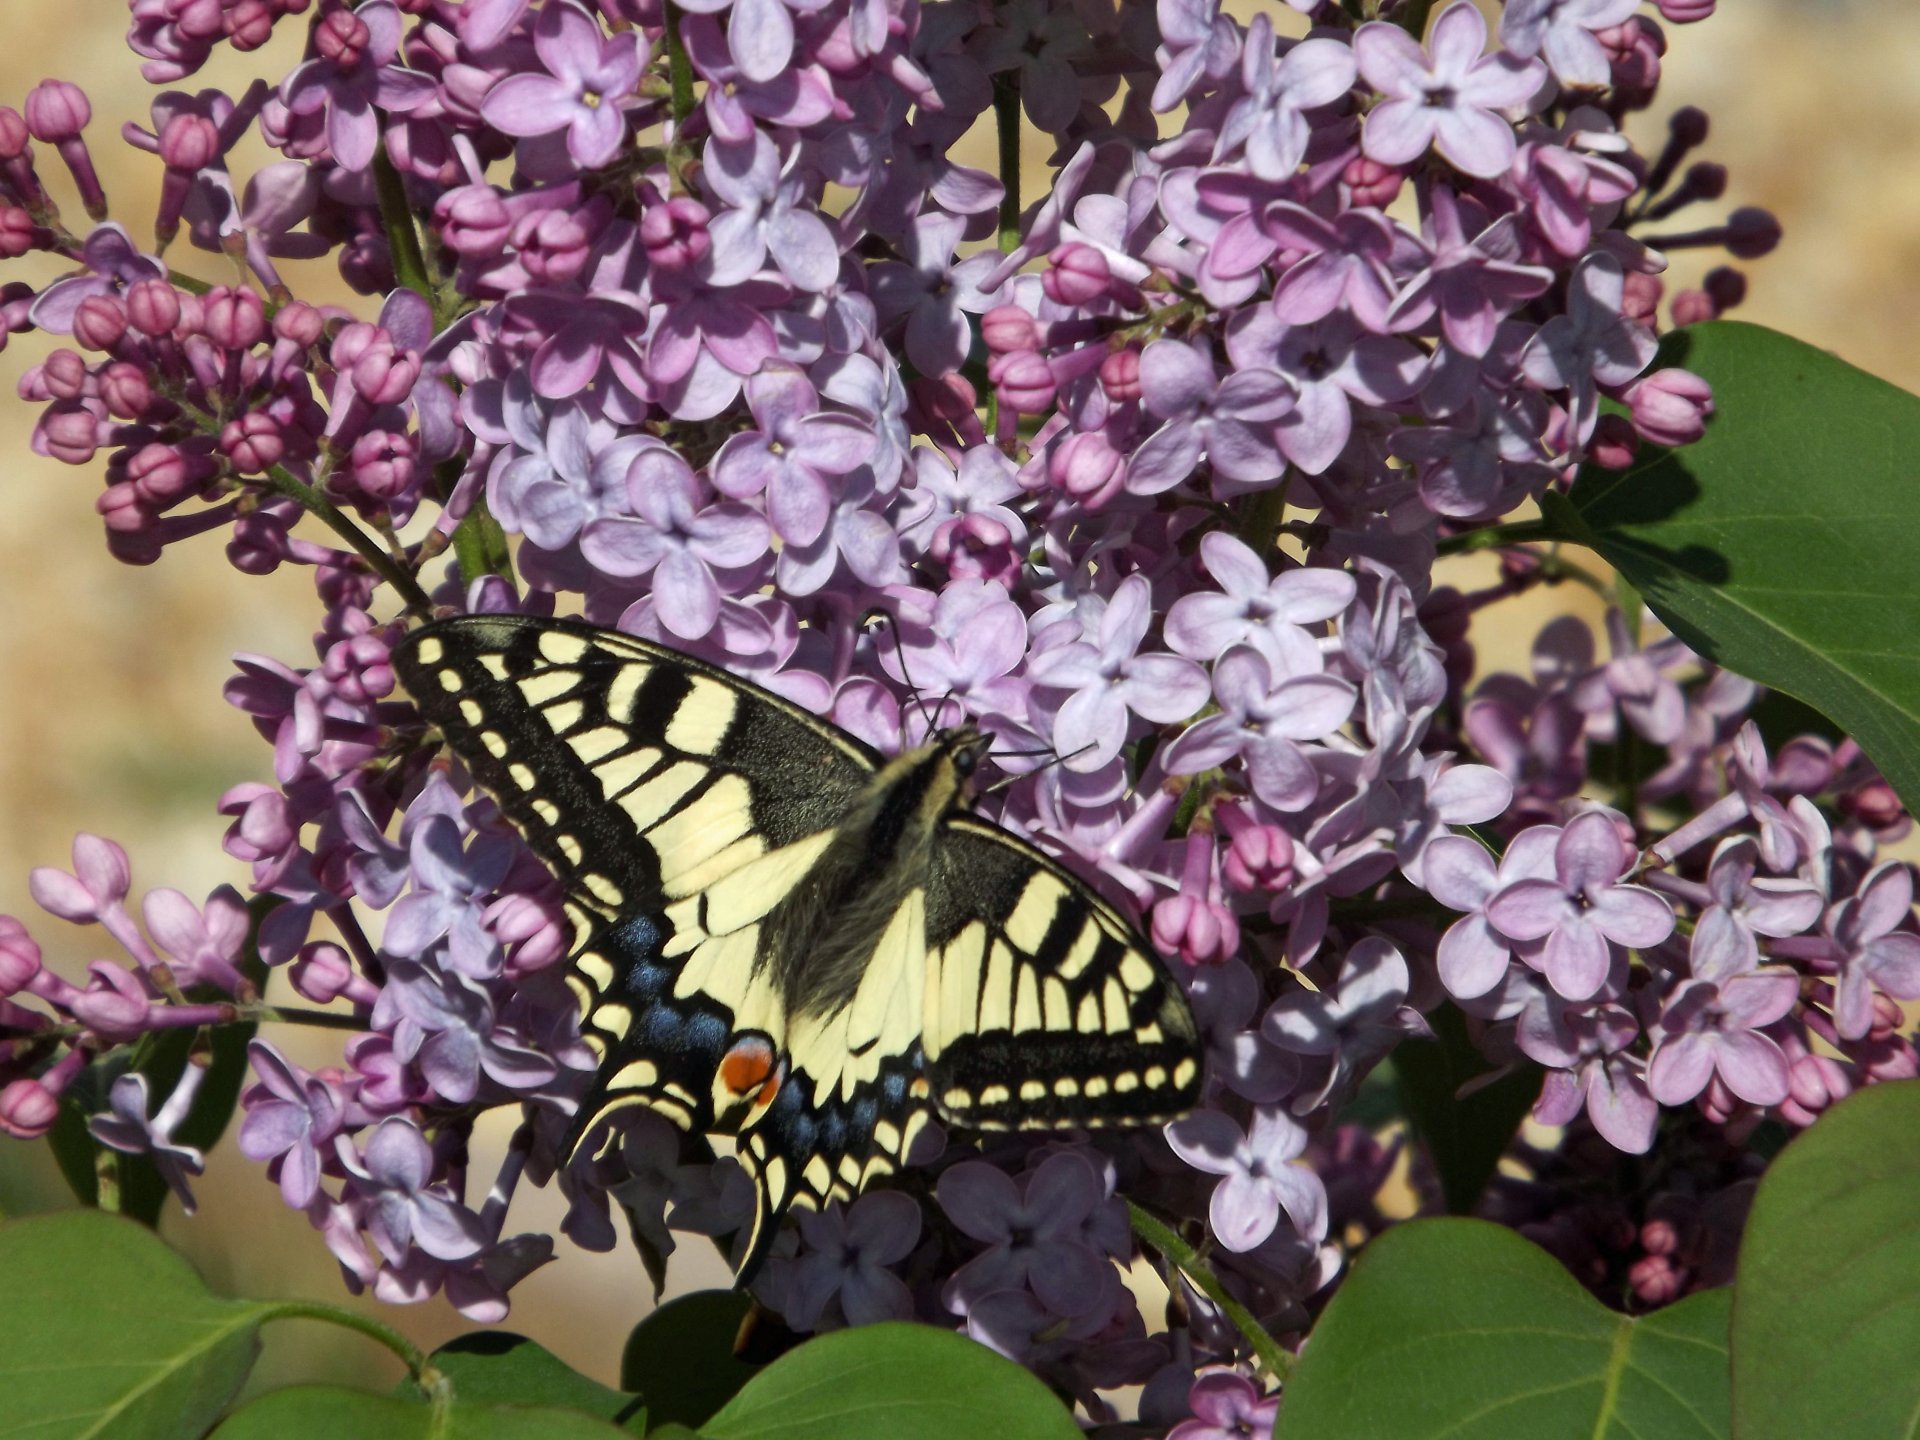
x=681, y=1360
x=1783, y=544
x=1461, y=1329
x=109, y=1334
x=1465, y=1134
x=884, y=1382
x=500, y=1367
x=324, y=1412
x=1827, y=1320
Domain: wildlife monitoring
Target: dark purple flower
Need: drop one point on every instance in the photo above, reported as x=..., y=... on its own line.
x=1035, y=1228
x=848, y=1251
x=1227, y=1406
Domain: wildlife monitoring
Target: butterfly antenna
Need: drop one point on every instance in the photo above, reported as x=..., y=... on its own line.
x=900, y=649
x=1056, y=758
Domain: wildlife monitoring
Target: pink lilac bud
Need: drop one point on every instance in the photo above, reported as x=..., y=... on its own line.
x=1655, y=1281
x=323, y=974
x=1692, y=307
x=188, y=144
x=1640, y=297
x=1258, y=857
x=1007, y=328
x=1670, y=407
x=164, y=476
x=1198, y=930
x=473, y=221
x=57, y=112
x=1814, y=1082
x=1725, y=286
x=253, y=443
x=99, y=322
x=1370, y=183
x=70, y=432
x=1752, y=232
x=19, y=956
x=1024, y=380
x=28, y=1109
x=1614, y=444
x=122, y=509
x=249, y=23
x=341, y=37
x=126, y=390
x=1660, y=1236
x=1076, y=275
x=977, y=547
x=532, y=934
x=300, y=323
x=1120, y=376
x=234, y=319
x=554, y=245
x=382, y=464
x=1088, y=468
x=1684, y=12
x=153, y=307
x=18, y=233
x=1635, y=47
x=674, y=235
x=65, y=375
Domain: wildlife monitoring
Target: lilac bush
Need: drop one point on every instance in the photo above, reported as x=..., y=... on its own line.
x=688, y=318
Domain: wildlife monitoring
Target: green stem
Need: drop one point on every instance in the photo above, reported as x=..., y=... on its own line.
x=396, y=218
x=1006, y=119
x=1497, y=537
x=480, y=545
x=1259, y=527
x=284, y=482
x=419, y=1364
x=1413, y=19
x=299, y=1015
x=1273, y=1359
x=679, y=69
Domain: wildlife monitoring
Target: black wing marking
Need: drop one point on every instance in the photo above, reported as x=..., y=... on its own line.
x=1048, y=1009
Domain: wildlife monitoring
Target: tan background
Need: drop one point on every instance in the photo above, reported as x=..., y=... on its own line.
x=110, y=711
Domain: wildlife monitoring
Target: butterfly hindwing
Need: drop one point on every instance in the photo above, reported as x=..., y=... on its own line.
x=1050, y=1011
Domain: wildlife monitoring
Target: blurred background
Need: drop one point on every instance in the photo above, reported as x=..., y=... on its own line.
x=110, y=712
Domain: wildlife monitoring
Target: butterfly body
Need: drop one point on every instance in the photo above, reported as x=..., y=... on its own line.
x=785, y=936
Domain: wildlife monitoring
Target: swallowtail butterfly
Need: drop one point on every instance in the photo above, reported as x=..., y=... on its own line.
x=782, y=934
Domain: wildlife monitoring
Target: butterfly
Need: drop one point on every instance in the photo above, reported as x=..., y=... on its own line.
x=785, y=936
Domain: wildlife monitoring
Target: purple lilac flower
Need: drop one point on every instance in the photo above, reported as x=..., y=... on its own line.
x=1563, y=30
x=394, y=1174
x=1267, y=121
x=680, y=536
x=765, y=217
x=1591, y=345
x=291, y=1118
x=1331, y=364
x=1446, y=101
x=1713, y=1027
x=1263, y=715
x=1259, y=1179
x=588, y=75
x=794, y=455
x=1226, y=1406
x=353, y=79
x=1584, y=909
x=934, y=292
x=127, y=1128
x=1874, y=953
x=1231, y=423
x=1268, y=612
x=1109, y=678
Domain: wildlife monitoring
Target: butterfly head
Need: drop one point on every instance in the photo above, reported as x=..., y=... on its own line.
x=965, y=746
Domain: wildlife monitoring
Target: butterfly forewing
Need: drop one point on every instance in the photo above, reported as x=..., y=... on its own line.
x=782, y=938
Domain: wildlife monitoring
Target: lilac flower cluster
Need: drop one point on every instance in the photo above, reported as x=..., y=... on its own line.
x=689, y=313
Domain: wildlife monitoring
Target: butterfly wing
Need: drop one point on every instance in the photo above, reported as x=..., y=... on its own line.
x=1044, y=1007
x=675, y=802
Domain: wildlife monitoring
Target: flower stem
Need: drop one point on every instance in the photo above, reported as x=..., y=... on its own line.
x=1161, y=1237
x=1497, y=537
x=418, y=1363
x=396, y=218
x=299, y=1015
x=1006, y=118
x=679, y=69
x=285, y=482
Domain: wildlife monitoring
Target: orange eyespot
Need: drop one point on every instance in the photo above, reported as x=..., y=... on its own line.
x=750, y=1067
